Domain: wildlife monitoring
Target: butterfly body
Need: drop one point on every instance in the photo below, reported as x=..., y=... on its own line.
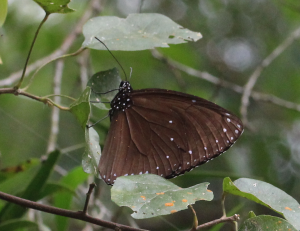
x=163, y=132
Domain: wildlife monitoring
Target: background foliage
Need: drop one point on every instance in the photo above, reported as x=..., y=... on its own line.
x=237, y=36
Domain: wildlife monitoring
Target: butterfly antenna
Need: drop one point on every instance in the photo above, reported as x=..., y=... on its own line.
x=113, y=57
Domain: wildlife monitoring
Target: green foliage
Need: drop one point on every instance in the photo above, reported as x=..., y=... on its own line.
x=63, y=199
x=92, y=152
x=267, y=195
x=11, y=211
x=101, y=83
x=265, y=222
x=150, y=195
x=55, y=6
x=3, y=11
x=238, y=35
x=136, y=32
x=81, y=108
x=18, y=224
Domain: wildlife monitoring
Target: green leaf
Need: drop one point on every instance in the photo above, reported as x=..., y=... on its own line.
x=17, y=224
x=64, y=199
x=12, y=171
x=265, y=222
x=3, y=11
x=136, y=32
x=92, y=151
x=150, y=195
x=52, y=188
x=81, y=108
x=21, y=179
x=11, y=211
x=267, y=195
x=55, y=6
x=103, y=82
x=251, y=214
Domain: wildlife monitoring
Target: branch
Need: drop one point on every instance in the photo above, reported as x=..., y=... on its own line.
x=57, y=53
x=226, y=84
x=79, y=215
x=40, y=99
x=266, y=62
x=55, y=111
x=30, y=50
x=233, y=218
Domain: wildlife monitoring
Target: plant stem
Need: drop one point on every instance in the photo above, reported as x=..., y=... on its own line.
x=30, y=50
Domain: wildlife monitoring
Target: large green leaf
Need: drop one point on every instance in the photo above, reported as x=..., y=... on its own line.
x=17, y=224
x=32, y=191
x=12, y=171
x=81, y=108
x=101, y=83
x=136, y=32
x=55, y=6
x=92, y=151
x=150, y=195
x=265, y=222
x=267, y=195
x=64, y=199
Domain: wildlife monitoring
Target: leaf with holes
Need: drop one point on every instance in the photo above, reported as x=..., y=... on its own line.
x=150, y=195
x=267, y=195
x=265, y=222
x=136, y=32
x=81, y=108
x=101, y=83
x=55, y=6
x=92, y=151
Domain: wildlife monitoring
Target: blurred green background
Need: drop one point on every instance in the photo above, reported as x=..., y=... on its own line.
x=237, y=36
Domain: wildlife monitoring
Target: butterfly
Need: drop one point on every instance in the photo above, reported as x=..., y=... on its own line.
x=163, y=132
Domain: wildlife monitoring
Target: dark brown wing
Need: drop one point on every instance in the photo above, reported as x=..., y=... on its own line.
x=166, y=133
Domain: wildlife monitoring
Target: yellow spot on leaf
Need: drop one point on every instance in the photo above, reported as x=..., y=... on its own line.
x=279, y=222
x=173, y=211
x=169, y=204
x=208, y=190
x=287, y=208
x=184, y=200
x=162, y=193
x=189, y=193
x=144, y=198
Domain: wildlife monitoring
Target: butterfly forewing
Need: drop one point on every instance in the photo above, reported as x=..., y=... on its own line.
x=164, y=132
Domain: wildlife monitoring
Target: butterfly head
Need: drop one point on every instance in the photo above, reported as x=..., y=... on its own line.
x=122, y=100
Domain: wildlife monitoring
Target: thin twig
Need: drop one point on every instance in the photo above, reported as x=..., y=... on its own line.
x=68, y=42
x=226, y=84
x=55, y=111
x=257, y=72
x=30, y=50
x=88, y=195
x=223, y=204
x=195, y=220
x=41, y=99
x=233, y=218
x=79, y=215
